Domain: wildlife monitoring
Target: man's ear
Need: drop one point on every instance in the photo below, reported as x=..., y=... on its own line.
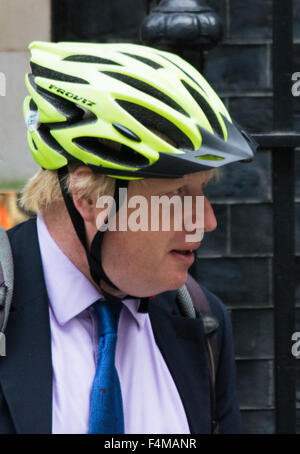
x=84, y=204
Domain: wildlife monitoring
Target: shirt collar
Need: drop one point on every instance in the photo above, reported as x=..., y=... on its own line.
x=69, y=291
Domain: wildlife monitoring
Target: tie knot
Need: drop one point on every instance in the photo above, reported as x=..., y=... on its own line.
x=107, y=314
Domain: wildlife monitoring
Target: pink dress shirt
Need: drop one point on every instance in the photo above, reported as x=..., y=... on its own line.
x=150, y=398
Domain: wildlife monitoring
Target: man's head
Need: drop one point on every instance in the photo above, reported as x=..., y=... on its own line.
x=142, y=258
x=131, y=114
x=140, y=262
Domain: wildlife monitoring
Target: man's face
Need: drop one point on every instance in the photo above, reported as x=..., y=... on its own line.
x=144, y=263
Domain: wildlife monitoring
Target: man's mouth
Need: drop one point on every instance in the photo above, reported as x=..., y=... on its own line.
x=185, y=252
x=187, y=249
x=186, y=256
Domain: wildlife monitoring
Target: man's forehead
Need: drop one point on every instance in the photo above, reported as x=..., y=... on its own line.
x=156, y=185
x=200, y=178
x=203, y=176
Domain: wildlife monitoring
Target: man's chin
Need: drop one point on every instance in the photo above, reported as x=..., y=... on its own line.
x=171, y=281
x=177, y=280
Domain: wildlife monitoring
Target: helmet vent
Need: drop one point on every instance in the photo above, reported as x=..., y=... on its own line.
x=46, y=136
x=32, y=105
x=209, y=157
x=90, y=59
x=126, y=132
x=155, y=121
x=146, y=88
x=187, y=74
x=34, y=144
x=125, y=156
x=40, y=71
x=145, y=60
x=208, y=111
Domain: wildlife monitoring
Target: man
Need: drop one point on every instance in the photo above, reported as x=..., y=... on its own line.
x=103, y=120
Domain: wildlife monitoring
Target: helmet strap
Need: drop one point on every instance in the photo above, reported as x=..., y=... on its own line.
x=94, y=254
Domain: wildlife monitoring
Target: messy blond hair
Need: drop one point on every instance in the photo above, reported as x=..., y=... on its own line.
x=43, y=189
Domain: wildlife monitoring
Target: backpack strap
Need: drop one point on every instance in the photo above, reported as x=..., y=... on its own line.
x=193, y=303
x=210, y=323
x=6, y=280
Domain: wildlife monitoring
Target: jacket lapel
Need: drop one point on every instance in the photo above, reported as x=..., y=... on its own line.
x=181, y=343
x=26, y=371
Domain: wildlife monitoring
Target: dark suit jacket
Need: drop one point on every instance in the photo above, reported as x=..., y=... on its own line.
x=26, y=371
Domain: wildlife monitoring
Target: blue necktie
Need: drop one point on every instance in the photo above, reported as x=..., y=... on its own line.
x=106, y=408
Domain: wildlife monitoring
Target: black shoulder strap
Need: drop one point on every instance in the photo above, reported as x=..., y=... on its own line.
x=6, y=281
x=202, y=306
x=210, y=325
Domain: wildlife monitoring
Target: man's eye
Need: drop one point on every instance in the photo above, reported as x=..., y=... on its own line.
x=177, y=191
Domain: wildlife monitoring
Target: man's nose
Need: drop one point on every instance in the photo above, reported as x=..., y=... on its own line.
x=210, y=221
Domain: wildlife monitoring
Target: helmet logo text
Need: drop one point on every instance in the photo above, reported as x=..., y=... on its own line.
x=72, y=96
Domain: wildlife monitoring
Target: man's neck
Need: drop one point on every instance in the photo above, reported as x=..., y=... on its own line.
x=61, y=229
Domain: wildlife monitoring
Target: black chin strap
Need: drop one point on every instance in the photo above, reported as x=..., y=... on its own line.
x=94, y=254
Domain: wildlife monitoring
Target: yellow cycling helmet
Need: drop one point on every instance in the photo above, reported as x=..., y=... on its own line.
x=82, y=93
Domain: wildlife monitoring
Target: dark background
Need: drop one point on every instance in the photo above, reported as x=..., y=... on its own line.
x=235, y=261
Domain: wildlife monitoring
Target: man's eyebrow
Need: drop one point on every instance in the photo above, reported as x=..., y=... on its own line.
x=208, y=178
x=174, y=185
x=170, y=184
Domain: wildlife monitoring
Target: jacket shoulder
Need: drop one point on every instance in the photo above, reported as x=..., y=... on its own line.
x=21, y=236
x=20, y=229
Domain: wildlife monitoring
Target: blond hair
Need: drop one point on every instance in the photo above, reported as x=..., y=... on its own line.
x=43, y=189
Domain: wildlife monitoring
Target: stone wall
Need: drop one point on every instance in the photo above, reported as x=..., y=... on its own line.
x=236, y=260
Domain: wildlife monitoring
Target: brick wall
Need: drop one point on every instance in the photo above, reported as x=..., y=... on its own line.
x=236, y=260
